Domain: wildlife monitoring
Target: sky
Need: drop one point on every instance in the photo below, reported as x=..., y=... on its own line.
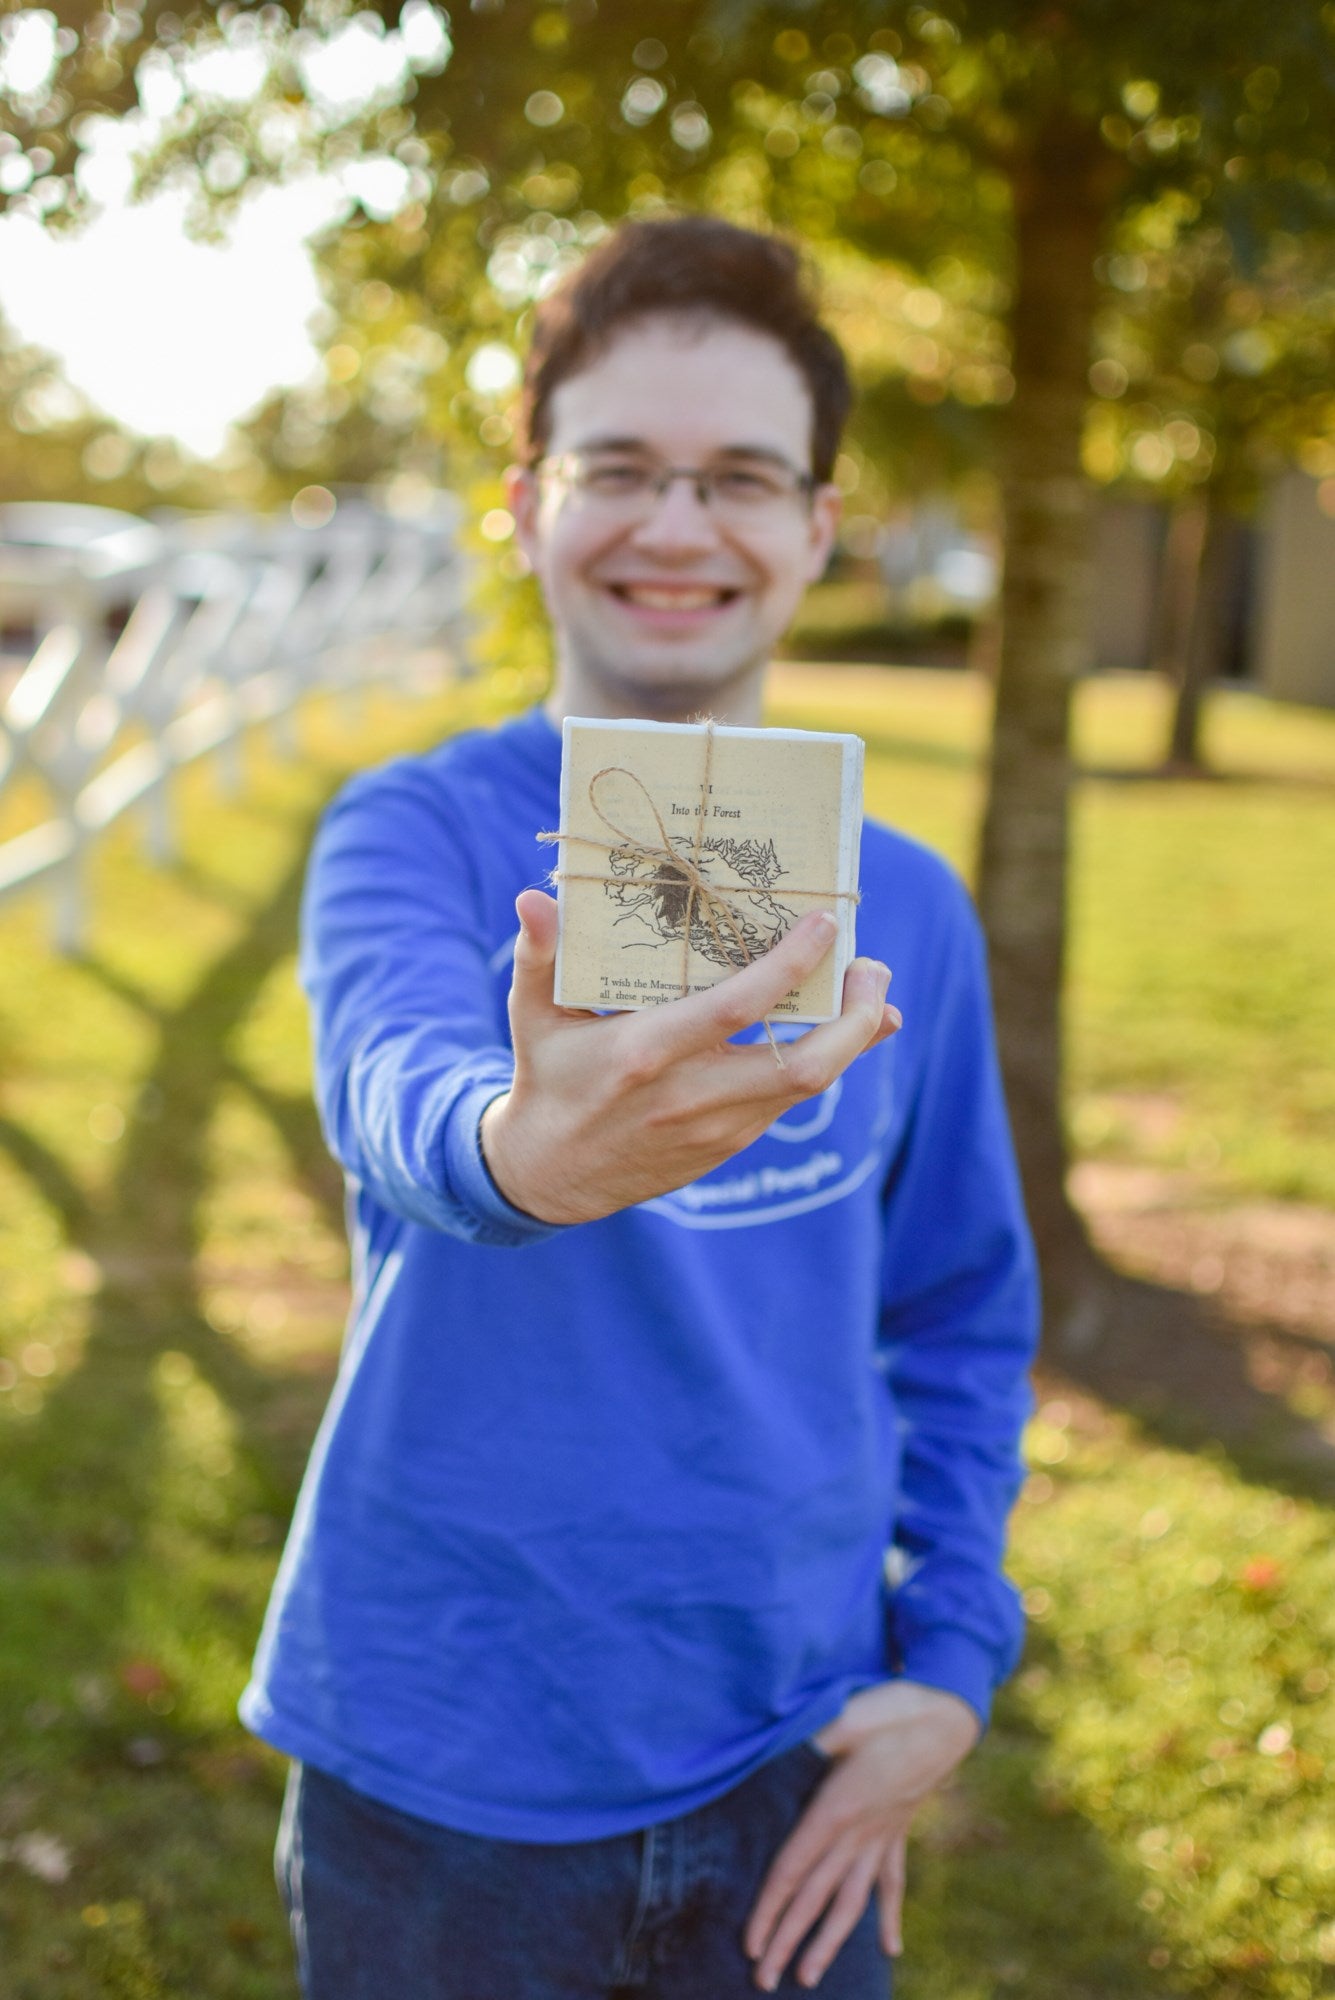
x=168, y=336
x=179, y=338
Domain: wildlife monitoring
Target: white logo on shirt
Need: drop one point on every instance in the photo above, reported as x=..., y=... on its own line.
x=764, y=1181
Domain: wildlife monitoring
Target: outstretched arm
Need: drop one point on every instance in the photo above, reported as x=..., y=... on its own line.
x=587, y=1114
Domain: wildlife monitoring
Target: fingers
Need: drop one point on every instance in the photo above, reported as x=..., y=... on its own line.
x=538, y=924
x=705, y=1019
x=808, y=1899
x=838, y=1885
x=788, y=1869
x=865, y=984
x=814, y=1060
x=840, y=1920
x=825, y=1053
x=890, y=1896
x=535, y=952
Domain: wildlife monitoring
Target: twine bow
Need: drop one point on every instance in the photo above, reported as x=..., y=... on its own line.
x=677, y=870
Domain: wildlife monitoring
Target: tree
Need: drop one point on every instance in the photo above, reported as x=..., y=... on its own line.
x=1010, y=135
x=54, y=446
x=1213, y=374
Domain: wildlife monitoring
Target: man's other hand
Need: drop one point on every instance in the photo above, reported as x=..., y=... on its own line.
x=892, y=1745
x=609, y=1110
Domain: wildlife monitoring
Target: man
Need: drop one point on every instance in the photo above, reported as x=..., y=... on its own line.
x=646, y=1575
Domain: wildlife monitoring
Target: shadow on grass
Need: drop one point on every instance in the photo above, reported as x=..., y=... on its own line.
x=1012, y=1888
x=144, y=1237
x=294, y=1118
x=95, y=1436
x=49, y=1177
x=94, y=1507
x=210, y=886
x=1207, y=777
x=1180, y=1367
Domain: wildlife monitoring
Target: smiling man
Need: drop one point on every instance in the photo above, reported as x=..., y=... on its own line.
x=669, y=585
x=647, y=1573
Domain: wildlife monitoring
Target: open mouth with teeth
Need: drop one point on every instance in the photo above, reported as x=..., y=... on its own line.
x=674, y=598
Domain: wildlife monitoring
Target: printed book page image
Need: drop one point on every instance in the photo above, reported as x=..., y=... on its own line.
x=688, y=850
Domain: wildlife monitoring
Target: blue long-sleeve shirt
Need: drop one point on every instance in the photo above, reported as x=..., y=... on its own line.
x=599, y=1517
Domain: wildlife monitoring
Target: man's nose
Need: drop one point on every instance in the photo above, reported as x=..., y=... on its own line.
x=678, y=519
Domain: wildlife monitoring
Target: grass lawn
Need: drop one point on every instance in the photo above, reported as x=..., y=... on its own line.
x=1150, y=1813
x=1203, y=955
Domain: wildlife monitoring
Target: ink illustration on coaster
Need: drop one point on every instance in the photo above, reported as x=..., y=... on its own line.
x=688, y=850
x=653, y=894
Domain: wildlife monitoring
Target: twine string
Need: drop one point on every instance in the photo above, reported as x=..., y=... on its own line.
x=714, y=904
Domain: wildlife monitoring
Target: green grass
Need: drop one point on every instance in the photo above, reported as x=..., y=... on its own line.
x=1201, y=1020
x=1149, y=1813
x=1152, y=1811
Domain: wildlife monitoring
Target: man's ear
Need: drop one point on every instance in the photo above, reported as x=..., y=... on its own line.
x=522, y=497
x=827, y=506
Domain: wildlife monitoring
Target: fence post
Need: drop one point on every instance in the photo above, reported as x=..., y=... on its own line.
x=160, y=828
x=70, y=917
x=233, y=626
x=229, y=763
x=283, y=735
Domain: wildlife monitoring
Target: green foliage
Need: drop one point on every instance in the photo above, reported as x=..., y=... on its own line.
x=1211, y=370
x=1149, y=1812
x=54, y=447
x=895, y=140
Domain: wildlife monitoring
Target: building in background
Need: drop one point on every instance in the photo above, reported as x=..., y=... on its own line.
x=928, y=583
x=1292, y=634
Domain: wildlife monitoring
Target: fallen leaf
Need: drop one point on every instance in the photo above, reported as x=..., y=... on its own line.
x=42, y=1855
x=141, y=1678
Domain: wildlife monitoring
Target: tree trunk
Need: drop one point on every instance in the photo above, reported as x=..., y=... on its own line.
x=1061, y=198
x=1198, y=652
x=1177, y=584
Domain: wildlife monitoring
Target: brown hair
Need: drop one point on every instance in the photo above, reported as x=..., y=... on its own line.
x=688, y=264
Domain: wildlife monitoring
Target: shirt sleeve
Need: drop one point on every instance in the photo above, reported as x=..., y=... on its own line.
x=958, y=1331
x=409, y=1045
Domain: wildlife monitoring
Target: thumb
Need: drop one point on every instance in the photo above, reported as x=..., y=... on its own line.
x=837, y=1738
x=535, y=952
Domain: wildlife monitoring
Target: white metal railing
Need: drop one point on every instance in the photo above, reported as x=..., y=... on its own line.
x=233, y=622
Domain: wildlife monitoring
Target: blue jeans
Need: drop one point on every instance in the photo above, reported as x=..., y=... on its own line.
x=384, y=1906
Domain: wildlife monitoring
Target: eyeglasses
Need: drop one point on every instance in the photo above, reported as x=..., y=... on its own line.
x=630, y=485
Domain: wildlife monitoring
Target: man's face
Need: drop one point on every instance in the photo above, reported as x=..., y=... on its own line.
x=677, y=606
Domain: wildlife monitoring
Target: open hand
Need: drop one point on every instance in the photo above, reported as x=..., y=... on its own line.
x=609, y=1110
x=892, y=1745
